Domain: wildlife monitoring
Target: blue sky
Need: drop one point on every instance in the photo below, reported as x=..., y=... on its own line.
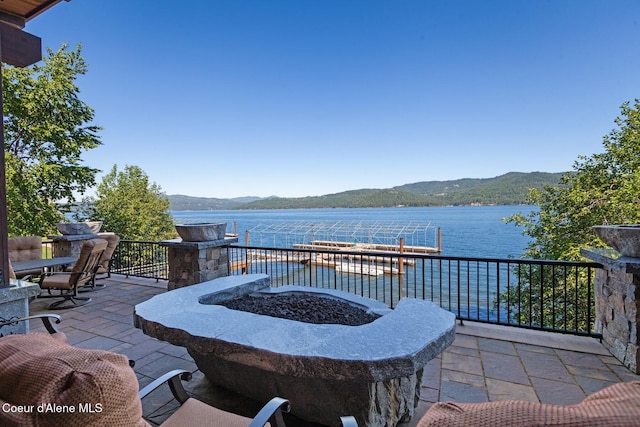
x=230, y=98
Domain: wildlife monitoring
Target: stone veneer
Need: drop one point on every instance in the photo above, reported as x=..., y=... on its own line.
x=617, y=301
x=71, y=244
x=197, y=262
x=14, y=304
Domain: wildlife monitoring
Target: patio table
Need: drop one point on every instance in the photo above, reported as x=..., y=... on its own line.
x=44, y=263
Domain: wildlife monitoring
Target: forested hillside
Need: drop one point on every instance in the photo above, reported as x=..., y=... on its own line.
x=509, y=189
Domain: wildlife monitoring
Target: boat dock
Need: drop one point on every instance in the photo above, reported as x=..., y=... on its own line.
x=390, y=240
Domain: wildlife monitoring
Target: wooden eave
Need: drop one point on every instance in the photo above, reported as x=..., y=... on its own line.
x=18, y=12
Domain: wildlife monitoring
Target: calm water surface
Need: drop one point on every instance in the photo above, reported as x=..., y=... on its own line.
x=475, y=231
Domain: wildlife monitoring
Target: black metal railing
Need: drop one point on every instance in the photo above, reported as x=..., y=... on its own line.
x=47, y=248
x=141, y=259
x=536, y=294
x=546, y=295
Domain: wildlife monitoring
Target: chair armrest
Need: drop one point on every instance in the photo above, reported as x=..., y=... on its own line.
x=46, y=321
x=272, y=411
x=349, y=421
x=173, y=379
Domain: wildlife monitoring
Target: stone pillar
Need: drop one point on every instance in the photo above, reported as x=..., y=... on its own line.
x=617, y=301
x=196, y=262
x=70, y=244
x=14, y=303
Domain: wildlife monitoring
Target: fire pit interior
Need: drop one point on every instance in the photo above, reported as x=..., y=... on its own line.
x=303, y=307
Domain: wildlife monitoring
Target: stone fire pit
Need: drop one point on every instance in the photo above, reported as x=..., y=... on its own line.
x=372, y=371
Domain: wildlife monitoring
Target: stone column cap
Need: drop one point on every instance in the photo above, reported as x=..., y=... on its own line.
x=612, y=259
x=227, y=241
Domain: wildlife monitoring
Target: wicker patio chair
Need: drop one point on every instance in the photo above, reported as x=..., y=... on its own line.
x=82, y=387
x=617, y=405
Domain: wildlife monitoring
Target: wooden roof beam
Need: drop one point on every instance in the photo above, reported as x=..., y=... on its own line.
x=18, y=47
x=14, y=20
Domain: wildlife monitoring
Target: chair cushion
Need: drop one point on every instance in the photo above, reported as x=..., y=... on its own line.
x=24, y=248
x=60, y=336
x=65, y=385
x=112, y=242
x=617, y=405
x=195, y=413
x=57, y=280
x=88, y=247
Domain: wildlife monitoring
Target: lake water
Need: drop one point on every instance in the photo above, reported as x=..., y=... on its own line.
x=474, y=231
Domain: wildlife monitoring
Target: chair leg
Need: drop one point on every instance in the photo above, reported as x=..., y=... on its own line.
x=91, y=287
x=70, y=296
x=75, y=301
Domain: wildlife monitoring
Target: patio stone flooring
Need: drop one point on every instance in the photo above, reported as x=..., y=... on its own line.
x=485, y=362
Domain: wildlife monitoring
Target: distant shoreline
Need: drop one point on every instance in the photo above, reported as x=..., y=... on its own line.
x=509, y=189
x=346, y=207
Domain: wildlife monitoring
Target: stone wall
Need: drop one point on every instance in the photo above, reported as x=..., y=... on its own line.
x=617, y=302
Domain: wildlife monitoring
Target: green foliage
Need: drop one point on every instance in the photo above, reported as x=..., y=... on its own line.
x=132, y=207
x=601, y=189
x=550, y=296
x=46, y=131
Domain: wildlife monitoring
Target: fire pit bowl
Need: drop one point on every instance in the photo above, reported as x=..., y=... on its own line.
x=372, y=371
x=623, y=238
x=201, y=232
x=78, y=228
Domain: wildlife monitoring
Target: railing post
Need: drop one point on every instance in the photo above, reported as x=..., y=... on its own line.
x=400, y=269
x=401, y=260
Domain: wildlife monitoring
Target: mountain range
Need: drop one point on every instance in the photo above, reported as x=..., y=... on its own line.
x=509, y=189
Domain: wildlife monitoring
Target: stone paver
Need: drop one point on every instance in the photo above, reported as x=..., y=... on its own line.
x=506, y=390
x=474, y=368
x=495, y=346
x=544, y=365
x=555, y=393
x=461, y=392
x=461, y=362
x=504, y=367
